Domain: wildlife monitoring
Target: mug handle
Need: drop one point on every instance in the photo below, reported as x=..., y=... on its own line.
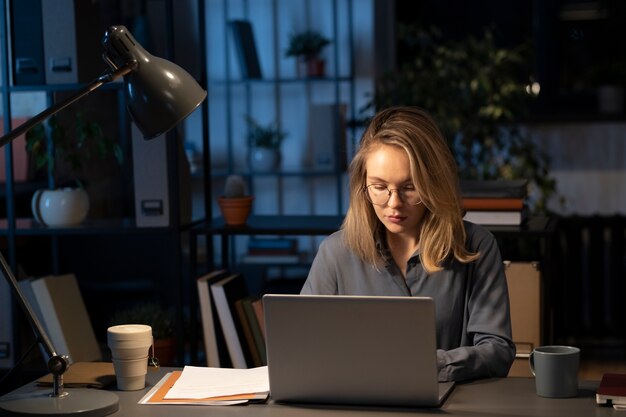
x=531, y=362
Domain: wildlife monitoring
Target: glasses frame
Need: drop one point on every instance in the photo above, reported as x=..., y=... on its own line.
x=389, y=192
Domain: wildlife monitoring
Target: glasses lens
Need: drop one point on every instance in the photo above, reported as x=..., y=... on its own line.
x=379, y=194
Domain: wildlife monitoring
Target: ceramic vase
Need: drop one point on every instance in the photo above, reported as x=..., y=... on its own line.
x=264, y=159
x=60, y=207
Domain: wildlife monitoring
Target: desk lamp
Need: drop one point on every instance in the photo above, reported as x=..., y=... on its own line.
x=160, y=95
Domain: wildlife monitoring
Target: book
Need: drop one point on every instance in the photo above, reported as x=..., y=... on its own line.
x=245, y=47
x=210, y=327
x=225, y=293
x=612, y=390
x=255, y=327
x=496, y=217
x=494, y=188
x=272, y=243
x=257, y=306
x=272, y=259
x=485, y=203
x=247, y=332
x=65, y=317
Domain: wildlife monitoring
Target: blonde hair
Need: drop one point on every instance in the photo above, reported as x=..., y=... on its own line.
x=434, y=174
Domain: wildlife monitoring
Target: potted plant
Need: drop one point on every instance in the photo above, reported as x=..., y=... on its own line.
x=307, y=47
x=64, y=151
x=163, y=326
x=478, y=92
x=264, y=145
x=235, y=204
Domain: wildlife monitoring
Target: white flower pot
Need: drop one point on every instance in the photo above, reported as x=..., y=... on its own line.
x=264, y=159
x=61, y=207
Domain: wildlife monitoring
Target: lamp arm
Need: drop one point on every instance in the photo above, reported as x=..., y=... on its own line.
x=57, y=364
x=57, y=107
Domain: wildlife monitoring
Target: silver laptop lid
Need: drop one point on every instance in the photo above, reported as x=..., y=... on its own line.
x=352, y=349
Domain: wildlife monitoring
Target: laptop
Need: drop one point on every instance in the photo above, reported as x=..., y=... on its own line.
x=359, y=350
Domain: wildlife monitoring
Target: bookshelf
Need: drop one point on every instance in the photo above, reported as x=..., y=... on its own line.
x=96, y=250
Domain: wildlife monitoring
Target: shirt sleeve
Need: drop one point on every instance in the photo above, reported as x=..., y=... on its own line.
x=487, y=349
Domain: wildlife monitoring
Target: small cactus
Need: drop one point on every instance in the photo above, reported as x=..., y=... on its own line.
x=235, y=187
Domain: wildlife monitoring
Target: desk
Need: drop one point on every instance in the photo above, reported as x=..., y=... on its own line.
x=485, y=398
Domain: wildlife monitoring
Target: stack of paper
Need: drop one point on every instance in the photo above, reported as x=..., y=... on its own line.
x=210, y=386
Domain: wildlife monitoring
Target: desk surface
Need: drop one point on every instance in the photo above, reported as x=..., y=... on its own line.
x=485, y=398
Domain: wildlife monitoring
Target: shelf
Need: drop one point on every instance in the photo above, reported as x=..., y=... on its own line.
x=294, y=80
x=274, y=225
x=30, y=227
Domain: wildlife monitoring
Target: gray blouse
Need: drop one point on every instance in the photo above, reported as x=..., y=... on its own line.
x=471, y=300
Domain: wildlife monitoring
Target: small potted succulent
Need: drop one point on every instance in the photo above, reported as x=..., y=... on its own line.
x=264, y=145
x=235, y=204
x=307, y=47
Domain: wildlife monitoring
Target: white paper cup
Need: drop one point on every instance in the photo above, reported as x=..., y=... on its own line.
x=130, y=345
x=131, y=373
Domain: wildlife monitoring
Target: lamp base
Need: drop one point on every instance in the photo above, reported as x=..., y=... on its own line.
x=84, y=401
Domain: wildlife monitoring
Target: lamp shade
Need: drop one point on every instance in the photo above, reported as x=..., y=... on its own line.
x=160, y=93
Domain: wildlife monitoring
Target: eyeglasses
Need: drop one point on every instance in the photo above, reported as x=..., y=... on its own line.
x=380, y=194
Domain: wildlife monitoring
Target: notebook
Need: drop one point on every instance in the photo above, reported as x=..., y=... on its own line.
x=359, y=350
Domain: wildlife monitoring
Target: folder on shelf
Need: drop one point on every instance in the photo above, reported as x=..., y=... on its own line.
x=245, y=47
x=27, y=43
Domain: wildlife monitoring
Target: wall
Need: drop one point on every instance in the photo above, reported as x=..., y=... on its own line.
x=589, y=164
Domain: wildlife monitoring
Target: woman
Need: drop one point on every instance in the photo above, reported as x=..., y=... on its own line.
x=404, y=235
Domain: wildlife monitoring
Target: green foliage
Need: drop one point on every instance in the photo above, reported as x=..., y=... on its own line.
x=51, y=142
x=270, y=136
x=477, y=92
x=308, y=43
x=161, y=320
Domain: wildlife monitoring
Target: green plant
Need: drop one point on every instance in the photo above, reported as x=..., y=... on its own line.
x=309, y=43
x=50, y=143
x=161, y=320
x=478, y=92
x=270, y=136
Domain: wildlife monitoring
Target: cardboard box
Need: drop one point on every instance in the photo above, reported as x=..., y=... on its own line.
x=524, y=282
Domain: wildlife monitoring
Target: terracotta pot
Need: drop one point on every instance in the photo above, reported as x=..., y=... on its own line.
x=235, y=210
x=165, y=351
x=311, y=66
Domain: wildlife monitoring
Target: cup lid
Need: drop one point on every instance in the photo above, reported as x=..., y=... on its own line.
x=129, y=332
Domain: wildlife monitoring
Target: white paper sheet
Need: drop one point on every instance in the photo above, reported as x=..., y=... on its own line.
x=205, y=382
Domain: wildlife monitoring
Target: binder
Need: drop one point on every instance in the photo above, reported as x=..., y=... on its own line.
x=27, y=55
x=245, y=47
x=71, y=35
x=150, y=180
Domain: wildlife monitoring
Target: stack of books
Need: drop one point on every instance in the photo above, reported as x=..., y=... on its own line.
x=232, y=321
x=496, y=202
x=272, y=251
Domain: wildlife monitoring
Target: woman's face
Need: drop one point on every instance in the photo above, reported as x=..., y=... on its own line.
x=389, y=166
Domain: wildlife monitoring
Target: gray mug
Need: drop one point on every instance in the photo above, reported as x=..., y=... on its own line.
x=556, y=370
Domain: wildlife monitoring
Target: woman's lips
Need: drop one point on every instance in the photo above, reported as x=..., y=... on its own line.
x=396, y=219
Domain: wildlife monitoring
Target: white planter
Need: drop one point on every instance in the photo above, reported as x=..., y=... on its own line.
x=264, y=159
x=61, y=207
